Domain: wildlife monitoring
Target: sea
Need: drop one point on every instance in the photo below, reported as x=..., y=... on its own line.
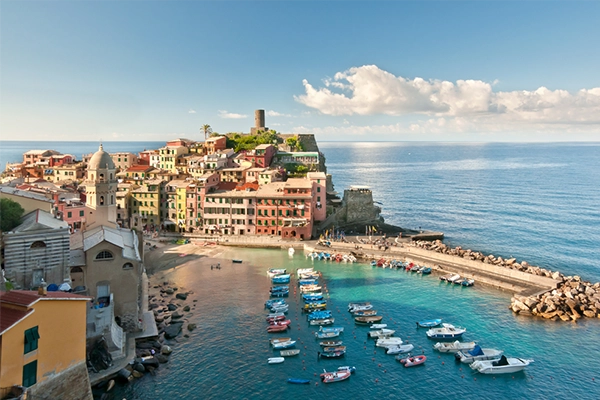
x=538, y=202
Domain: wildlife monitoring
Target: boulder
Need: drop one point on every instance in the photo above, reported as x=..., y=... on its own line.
x=172, y=307
x=137, y=374
x=176, y=315
x=181, y=296
x=186, y=308
x=589, y=313
x=161, y=358
x=169, y=291
x=138, y=366
x=191, y=327
x=166, y=350
x=173, y=330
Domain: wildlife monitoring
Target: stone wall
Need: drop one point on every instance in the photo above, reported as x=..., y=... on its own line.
x=359, y=206
x=70, y=384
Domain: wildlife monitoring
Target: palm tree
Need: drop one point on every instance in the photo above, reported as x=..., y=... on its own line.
x=207, y=131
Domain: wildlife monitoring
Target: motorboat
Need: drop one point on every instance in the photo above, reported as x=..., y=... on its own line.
x=412, y=361
x=425, y=271
x=284, y=278
x=347, y=368
x=453, y=347
x=277, y=328
x=319, y=315
x=270, y=303
x=477, y=354
x=429, y=323
x=337, y=376
x=467, y=282
x=276, y=360
x=368, y=320
x=359, y=304
x=405, y=348
x=505, y=365
x=381, y=333
x=280, y=323
x=330, y=349
x=378, y=326
x=360, y=308
x=388, y=342
x=291, y=251
x=453, y=278
x=446, y=332
x=309, y=288
x=301, y=271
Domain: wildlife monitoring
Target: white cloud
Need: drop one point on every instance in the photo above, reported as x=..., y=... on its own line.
x=272, y=113
x=227, y=115
x=464, y=105
x=191, y=111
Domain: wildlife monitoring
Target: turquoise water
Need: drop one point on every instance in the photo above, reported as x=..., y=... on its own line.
x=226, y=357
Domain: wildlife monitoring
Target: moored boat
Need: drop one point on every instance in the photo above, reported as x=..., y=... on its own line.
x=337, y=376
x=388, y=342
x=381, y=333
x=505, y=365
x=279, y=340
x=368, y=320
x=352, y=305
x=277, y=328
x=429, y=323
x=298, y=381
x=378, y=326
x=356, y=308
x=446, y=332
x=289, y=353
x=364, y=313
x=328, y=343
x=453, y=278
x=347, y=368
x=412, y=361
x=405, y=348
x=284, y=278
x=334, y=348
x=332, y=329
x=284, y=345
x=332, y=354
x=326, y=335
x=324, y=321
x=276, y=271
x=477, y=354
x=467, y=282
x=275, y=360
x=425, y=271
x=280, y=323
x=453, y=347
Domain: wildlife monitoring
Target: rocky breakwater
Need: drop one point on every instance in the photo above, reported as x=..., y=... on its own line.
x=572, y=300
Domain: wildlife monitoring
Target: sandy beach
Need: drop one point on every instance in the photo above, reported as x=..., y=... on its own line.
x=166, y=256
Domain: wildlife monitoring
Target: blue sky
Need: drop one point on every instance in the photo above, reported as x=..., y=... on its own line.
x=344, y=70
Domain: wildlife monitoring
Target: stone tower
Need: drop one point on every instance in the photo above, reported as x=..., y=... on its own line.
x=259, y=122
x=101, y=188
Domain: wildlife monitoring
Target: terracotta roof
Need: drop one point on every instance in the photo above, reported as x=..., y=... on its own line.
x=142, y=168
x=9, y=317
x=29, y=297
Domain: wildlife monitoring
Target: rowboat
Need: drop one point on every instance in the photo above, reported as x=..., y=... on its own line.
x=324, y=321
x=284, y=345
x=337, y=376
x=368, y=320
x=360, y=308
x=364, y=313
x=334, y=348
x=412, y=361
x=301, y=271
x=429, y=323
x=333, y=354
x=279, y=340
x=353, y=305
x=328, y=343
x=283, y=278
x=326, y=335
x=388, y=342
x=319, y=315
x=503, y=366
x=289, y=353
x=332, y=329
x=299, y=381
x=276, y=360
x=275, y=271
x=378, y=326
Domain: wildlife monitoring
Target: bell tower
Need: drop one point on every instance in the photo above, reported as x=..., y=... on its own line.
x=101, y=188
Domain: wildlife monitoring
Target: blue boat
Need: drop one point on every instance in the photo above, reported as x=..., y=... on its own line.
x=429, y=323
x=310, y=299
x=280, y=293
x=319, y=315
x=302, y=282
x=281, y=278
x=279, y=289
x=331, y=329
x=298, y=381
x=425, y=271
x=270, y=303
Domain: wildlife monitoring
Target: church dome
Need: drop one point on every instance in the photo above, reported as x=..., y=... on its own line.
x=101, y=160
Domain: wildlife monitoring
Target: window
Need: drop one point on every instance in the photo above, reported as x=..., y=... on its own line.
x=104, y=255
x=69, y=214
x=127, y=266
x=318, y=198
x=30, y=374
x=37, y=244
x=31, y=339
x=319, y=189
x=81, y=213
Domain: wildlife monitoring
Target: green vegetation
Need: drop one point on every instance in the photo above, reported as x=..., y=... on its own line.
x=239, y=142
x=207, y=130
x=294, y=143
x=10, y=214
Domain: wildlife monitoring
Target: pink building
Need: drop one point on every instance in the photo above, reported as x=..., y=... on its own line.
x=262, y=155
x=214, y=144
x=230, y=209
x=319, y=184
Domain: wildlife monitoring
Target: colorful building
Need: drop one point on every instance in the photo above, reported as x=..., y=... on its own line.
x=124, y=160
x=43, y=339
x=262, y=155
x=214, y=144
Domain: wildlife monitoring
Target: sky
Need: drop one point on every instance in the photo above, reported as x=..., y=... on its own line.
x=481, y=71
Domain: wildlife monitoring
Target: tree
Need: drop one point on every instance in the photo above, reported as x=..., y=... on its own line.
x=292, y=142
x=207, y=130
x=10, y=214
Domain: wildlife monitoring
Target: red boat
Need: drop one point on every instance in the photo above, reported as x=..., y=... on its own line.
x=280, y=323
x=413, y=361
x=380, y=262
x=409, y=266
x=277, y=318
x=277, y=328
x=329, y=377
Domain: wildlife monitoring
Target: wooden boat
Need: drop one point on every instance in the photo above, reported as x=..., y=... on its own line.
x=368, y=320
x=332, y=329
x=324, y=321
x=364, y=313
x=275, y=360
x=405, y=348
x=326, y=335
x=284, y=345
x=381, y=333
x=279, y=340
x=334, y=348
x=412, y=361
x=429, y=323
x=447, y=331
x=289, y=353
x=477, y=354
x=337, y=376
x=275, y=328
x=333, y=354
x=328, y=343
x=298, y=381
x=314, y=306
x=453, y=347
x=275, y=271
x=280, y=323
x=503, y=366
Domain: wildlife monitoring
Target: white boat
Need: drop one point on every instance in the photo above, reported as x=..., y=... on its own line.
x=352, y=305
x=323, y=321
x=378, y=326
x=447, y=331
x=276, y=360
x=388, y=342
x=365, y=307
x=275, y=271
x=291, y=251
x=309, y=288
x=453, y=347
x=405, y=348
x=305, y=271
x=284, y=345
x=283, y=308
x=453, y=278
x=478, y=354
x=381, y=333
x=502, y=366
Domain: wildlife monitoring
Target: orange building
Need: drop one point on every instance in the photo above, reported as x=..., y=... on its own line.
x=41, y=337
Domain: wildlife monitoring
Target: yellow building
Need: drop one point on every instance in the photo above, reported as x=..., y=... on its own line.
x=145, y=203
x=43, y=341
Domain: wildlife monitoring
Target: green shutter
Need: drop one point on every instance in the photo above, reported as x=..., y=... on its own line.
x=30, y=374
